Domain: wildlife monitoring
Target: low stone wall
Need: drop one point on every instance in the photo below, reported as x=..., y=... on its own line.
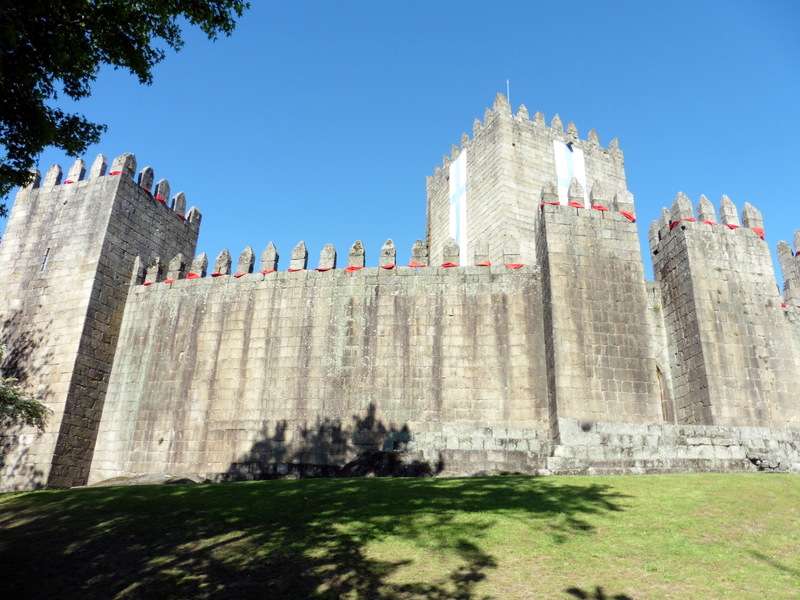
x=603, y=448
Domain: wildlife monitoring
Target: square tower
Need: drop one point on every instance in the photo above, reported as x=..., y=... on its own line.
x=486, y=195
x=67, y=257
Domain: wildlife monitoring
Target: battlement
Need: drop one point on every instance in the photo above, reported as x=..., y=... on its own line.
x=124, y=166
x=790, y=267
x=682, y=216
x=179, y=267
x=501, y=110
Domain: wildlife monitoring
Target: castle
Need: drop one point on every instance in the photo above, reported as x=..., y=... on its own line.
x=522, y=336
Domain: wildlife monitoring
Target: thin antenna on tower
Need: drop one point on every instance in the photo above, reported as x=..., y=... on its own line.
x=508, y=91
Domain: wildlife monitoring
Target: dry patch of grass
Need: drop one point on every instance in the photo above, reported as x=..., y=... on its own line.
x=604, y=538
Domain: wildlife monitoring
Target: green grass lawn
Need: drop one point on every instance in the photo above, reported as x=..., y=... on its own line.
x=637, y=538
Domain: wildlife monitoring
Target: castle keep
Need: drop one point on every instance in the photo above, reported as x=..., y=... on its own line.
x=521, y=337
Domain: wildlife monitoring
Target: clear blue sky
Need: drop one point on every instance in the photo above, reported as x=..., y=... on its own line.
x=319, y=120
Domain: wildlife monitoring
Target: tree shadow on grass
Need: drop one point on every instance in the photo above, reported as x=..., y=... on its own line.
x=597, y=594
x=777, y=565
x=310, y=538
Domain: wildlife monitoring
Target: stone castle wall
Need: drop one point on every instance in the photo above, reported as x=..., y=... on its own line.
x=305, y=370
x=541, y=349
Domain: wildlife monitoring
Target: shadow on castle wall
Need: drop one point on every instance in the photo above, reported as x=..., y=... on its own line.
x=313, y=538
x=26, y=361
x=331, y=448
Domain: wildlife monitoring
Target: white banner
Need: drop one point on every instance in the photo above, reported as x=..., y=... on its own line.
x=458, y=205
x=569, y=164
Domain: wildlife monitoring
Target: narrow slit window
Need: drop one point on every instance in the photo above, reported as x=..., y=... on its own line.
x=44, y=260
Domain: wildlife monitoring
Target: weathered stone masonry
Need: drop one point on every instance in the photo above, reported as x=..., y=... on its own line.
x=543, y=351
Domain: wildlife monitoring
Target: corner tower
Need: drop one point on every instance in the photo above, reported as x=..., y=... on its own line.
x=735, y=354
x=488, y=191
x=67, y=256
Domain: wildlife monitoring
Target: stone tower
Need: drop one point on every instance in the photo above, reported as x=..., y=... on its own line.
x=67, y=257
x=735, y=349
x=491, y=187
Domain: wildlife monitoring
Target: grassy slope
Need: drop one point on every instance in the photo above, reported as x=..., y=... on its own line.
x=692, y=536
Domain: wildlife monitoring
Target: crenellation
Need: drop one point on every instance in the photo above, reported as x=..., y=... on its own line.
x=752, y=218
x=247, y=260
x=481, y=254
x=599, y=196
x=790, y=268
x=452, y=253
x=145, y=179
x=299, y=258
x=162, y=191
x=137, y=273
x=124, y=165
x=728, y=213
x=76, y=171
x=194, y=217
x=549, y=194
x=705, y=211
x=53, y=176
x=575, y=195
x=179, y=204
x=388, y=257
x=419, y=254
x=477, y=127
x=35, y=181
x=681, y=210
x=623, y=203
x=545, y=351
x=511, y=255
x=269, y=259
x=99, y=166
x=327, y=258
x=199, y=266
x=356, y=258
x=654, y=235
x=572, y=133
x=176, y=268
x=222, y=264
x=154, y=272
x=664, y=219
x=501, y=105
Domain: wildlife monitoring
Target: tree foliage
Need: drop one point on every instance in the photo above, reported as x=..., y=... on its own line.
x=18, y=406
x=49, y=48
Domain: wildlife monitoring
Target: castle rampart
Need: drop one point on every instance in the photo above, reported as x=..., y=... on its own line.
x=267, y=360
x=535, y=345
